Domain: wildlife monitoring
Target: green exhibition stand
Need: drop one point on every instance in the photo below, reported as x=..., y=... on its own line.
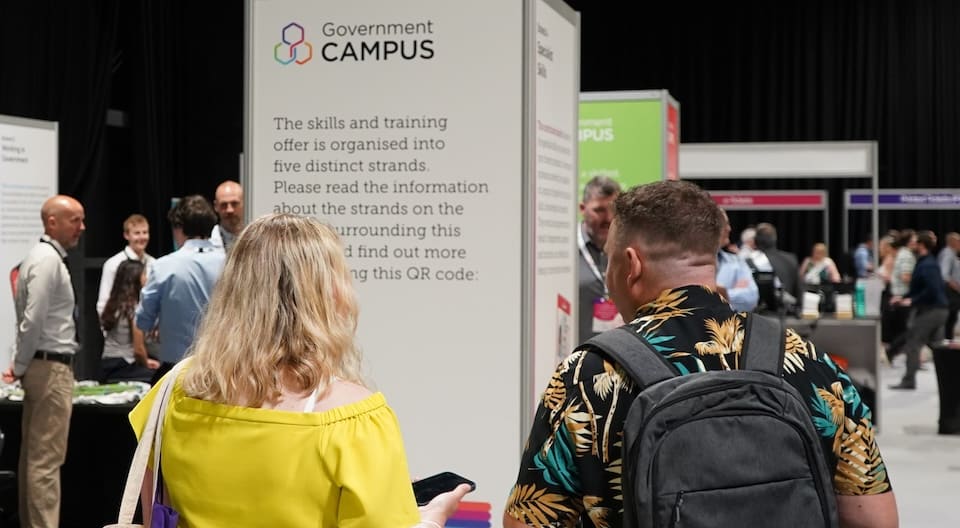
x=632, y=137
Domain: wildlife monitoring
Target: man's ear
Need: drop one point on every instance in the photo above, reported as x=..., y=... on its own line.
x=583, y=207
x=634, y=265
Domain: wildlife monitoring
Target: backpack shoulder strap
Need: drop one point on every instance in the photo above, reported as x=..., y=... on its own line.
x=632, y=352
x=763, y=345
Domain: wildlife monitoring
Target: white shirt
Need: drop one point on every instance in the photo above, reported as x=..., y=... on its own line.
x=222, y=238
x=118, y=343
x=903, y=262
x=110, y=272
x=44, y=305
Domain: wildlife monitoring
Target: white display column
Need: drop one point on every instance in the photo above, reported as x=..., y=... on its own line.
x=552, y=216
x=28, y=176
x=408, y=127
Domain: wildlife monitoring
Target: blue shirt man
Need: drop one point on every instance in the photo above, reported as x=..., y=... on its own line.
x=736, y=279
x=179, y=285
x=863, y=259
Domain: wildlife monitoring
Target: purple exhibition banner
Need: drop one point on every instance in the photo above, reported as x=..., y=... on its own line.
x=905, y=199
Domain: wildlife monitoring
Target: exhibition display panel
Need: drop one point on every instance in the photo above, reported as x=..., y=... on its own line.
x=778, y=201
x=798, y=161
x=28, y=163
x=439, y=140
x=896, y=200
x=630, y=136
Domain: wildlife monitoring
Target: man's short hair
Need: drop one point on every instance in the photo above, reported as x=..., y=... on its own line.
x=927, y=240
x=904, y=237
x=766, y=236
x=952, y=236
x=134, y=220
x=670, y=218
x=194, y=215
x=600, y=187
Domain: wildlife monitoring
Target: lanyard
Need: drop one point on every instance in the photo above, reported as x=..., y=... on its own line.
x=590, y=262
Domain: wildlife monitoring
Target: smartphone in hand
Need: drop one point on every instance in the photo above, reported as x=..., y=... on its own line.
x=426, y=489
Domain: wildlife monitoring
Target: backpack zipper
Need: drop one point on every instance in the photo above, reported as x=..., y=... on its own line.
x=675, y=523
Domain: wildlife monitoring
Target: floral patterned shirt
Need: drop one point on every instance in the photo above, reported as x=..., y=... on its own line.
x=570, y=469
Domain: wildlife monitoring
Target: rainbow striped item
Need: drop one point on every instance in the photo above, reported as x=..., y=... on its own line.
x=470, y=515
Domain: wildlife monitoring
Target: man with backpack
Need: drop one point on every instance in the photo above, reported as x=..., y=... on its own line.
x=693, y=414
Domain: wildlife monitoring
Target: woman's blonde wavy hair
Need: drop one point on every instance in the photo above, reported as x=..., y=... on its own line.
x=282, y=316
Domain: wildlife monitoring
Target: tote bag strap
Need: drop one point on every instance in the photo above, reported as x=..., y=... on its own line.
x=158, y=433
x=148, y=437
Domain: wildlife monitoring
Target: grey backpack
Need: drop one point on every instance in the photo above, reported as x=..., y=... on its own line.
x=719, y=449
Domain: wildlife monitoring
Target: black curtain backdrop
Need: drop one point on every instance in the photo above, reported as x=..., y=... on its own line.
x=884, y=70
x=171, y=72
x=812, y=70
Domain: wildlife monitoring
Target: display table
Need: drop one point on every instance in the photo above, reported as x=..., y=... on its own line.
x=855, y=340
x=99, y=451
x=946, y=359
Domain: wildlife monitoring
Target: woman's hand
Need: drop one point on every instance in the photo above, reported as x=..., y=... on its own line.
x=442, y=506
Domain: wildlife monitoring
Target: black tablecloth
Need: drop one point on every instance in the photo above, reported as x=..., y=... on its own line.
x=99, y=450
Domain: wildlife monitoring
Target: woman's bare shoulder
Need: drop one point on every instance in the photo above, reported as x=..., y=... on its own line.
x=341, y=393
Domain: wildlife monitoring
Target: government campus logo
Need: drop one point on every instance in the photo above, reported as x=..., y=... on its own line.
x=294, y=47
x=357, y=42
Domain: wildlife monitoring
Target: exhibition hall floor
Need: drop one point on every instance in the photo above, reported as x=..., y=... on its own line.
x=923, y=466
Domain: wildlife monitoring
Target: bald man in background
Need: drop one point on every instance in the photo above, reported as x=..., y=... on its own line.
x=43, y=356
x=228, y=203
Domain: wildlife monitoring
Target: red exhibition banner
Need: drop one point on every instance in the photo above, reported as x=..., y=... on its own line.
x=768, y=200
x=673, y=142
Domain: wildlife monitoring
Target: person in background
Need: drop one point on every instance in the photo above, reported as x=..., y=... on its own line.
x=748, y=244
x=270, y=416
x=886, y=252
x=904, y=262
x=928, y=233
x=863, y=258
x=783, y=263
x=928, y=301
x=819, y=268
x=136, y=231
x=179, y=286
x=124, y=347
x=43, y=355
x=734, y=278
x=228, y=203
x=950, y=270
x=596, y=311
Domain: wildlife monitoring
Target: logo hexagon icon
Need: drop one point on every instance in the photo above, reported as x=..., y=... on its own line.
x=293, y=36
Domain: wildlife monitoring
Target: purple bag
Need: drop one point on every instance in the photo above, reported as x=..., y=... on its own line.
x=163, y=516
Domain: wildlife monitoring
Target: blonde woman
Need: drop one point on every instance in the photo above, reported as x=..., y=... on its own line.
x=887, y=252
x=270, y=423
x=819, y=268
